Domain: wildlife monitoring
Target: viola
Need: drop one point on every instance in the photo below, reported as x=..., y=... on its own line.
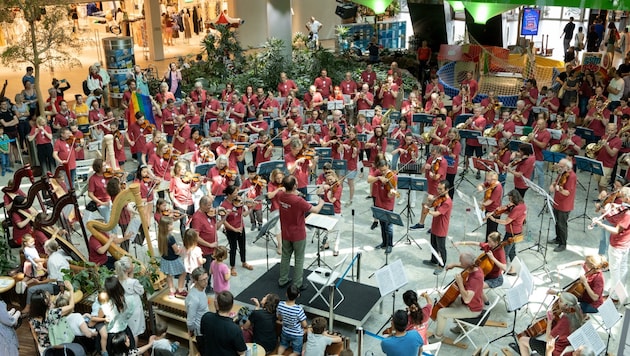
x=228, y=173
x=147, y=127
x=391, y=183
x=110, y=173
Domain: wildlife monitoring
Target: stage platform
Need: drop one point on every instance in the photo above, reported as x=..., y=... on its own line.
x=355, y=309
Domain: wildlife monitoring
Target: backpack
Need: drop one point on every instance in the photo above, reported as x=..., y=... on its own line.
x=86, y=90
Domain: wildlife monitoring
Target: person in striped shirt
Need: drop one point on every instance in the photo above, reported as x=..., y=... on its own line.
x=293, y=322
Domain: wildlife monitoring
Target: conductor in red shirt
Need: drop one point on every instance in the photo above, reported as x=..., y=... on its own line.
x=563, y=190
x=293, y=225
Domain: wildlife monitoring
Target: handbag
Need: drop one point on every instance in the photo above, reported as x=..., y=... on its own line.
x=91, y=206
x=561, y=92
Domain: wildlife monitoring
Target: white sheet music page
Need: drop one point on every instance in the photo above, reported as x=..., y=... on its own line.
x=608, y=312
x=586, y=335
x=390, y=278
x=321, y=221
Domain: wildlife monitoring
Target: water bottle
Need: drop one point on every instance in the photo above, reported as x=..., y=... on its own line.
x=254, y=349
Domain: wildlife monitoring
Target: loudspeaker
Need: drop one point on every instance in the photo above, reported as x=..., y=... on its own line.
x=346, y=11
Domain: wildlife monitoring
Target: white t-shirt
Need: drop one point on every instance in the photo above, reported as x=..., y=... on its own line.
x=315, y=26
x=619, y=85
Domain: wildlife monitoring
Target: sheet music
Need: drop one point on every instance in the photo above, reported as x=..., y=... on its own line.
x=608, y=312
x=463, y=197
x=478, y=212
x=586, y=335
x=135, y=224
x=544, y=194
x=391, y=277
x=516, y=297
x=525, y=277
x=321, y=221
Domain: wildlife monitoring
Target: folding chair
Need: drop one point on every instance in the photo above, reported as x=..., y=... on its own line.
x=431, y=349
x=326, y=277
x=470, y=325
x=508, y=281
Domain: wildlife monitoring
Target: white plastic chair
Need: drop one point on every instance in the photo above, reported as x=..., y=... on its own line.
x=325, y=277
x=431, y=349
x=471, y=325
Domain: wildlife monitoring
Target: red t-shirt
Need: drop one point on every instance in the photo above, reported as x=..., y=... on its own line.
x=81, y=153
x=622, y=239
x=439, y=224
x=455, y=149
x=479, y=124
x=98, y=186
x=362, y=104
x=301, y=172
x=219, y=182
x=232, y=158
x=275, y=203
x=518, y=215
x=596, y=282
x=292, y=216
x=380, y=192
x=499, y=254
x=136, y=134
x=169, y=115
x=432, y=183
x=234, y=214
x=206, y=227
x=607, y=160
x=598, y=127
x=18, y=233
x=66, y=152
x=475, y=284
x=337, y=195
x=565, y=203
x=40, y=239
x=388, y=101
x=254, y=191
x=183, y=132
x=562, y=330
x=41, y=138
x=495, y=196
x=285, y=87
x=62, y=119
x=543, y=136
x=323, y=85
x=161, y=167
x=368, y=78
x=95, y=257
x=181, y=191
x=526, y=167
x=144, y=190
x=348, y=87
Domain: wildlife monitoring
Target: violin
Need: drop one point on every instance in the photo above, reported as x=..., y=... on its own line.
x=439, y=200
x=238, y=149
x=488, y=194
x=391, y=183
x=190, y=177
x=71, y=140
x=221, y=211
x=147, y=127
x=502, y=210
x=562, y=179
x=230, y=174
x=610, y=198
x=110, y=173
x=258, y=181
x=206, y=155
x=239, y=202
x=306, y=153
x=175, y=214
x=170, y=154
x=413, y=148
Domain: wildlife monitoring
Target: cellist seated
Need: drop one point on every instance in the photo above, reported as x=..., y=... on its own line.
x=589, y=287
x=494, y=261
x=455, y=306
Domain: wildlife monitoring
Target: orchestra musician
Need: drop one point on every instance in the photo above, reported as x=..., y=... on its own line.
x=476, y=123
x=42, y=135
x=461, y=102
x=232, y=151
x=267, y=104
x=368, y=76
x=97, y=192
x=22, y=221
x=169, y=113
x=288, y=134
x=471, y=83
x=470, y=302
x=192, y=113
x=388, y=93
x=502, y=156
x=212, y=109
x=453, y=149
x=551, y=102
x=221, y=176
x=119, y=143
x=490, y=105
x=64, y=152
x=605, y=198
x=607, y=154
x=218, y=128
x=622, y=109
x=435, y=172
x=619, y=229
x=494, y=278
x=351, y=147
x=492, y=194
x=597, y=118
x=377, y=119
x=262, y=149
x=364, y=99
x=63, y=117
x=592, y=281
x=250, y=100
x=384, y=182
x=331, y=193
x=563, y=190
x=181, y=134
x=313, y=100
x=434, y=86
x=96, y=116
x=147, y=188
x=286, y=85
x=235, y=109
x=135, y=135
x=226, y=94
x=181, y=193
x=323, y=84
x=80, y=142
x=516, y=213
x=273, y=188
x=540, y=138
x=518, y=116
x=160, y=164
x=442, y=206
x=199, y=95
x=569, y=320
x=572, y=112
x=234, y=226
x=299, y=165
x=408, y=152
x=205, y=222
x=522, y=165
x=254, y=185
x=441, y=130
x=399, y=134
x=333, y=140
x=529, y=95
x=348, y=85
x=410, y=106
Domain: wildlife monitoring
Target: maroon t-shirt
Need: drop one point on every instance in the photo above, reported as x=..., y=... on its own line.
x=499, y=254
x=432, y=183
x=526, y=168
x=622, y=239
x=275, y=203
x=495, y=196
x=565, y=203
x=181, y=132
x=206, y=227
x=136, y=134
x=380, y=192
x=234, y=214
x=95, y=257
x=161, y=167
x=596, y=282
x=301, y=172
x=607, y=160
x=18, y=233
x=475, y=283
x=562, y=330
x=518, y=214
x=479, y=124
x=66, y=152
x=543, y=136
x=98, y=186
x=219, y=182
x=440, y=223
x=292, y=216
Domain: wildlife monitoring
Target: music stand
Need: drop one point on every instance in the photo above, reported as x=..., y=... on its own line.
x=593, y=167
x=552, y=157
x=321, y=223
x=460, y=119
x=486, y=165
x=415, y=184
x=265, y=168
x=324, y=154
x=465, y=134
x=340, y=166
x=514, y=145
x=383, y=215
x=422, y=118
x=265, y=232
x=587, y=134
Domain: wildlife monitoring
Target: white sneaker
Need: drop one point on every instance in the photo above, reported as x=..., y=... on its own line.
x=20, y=287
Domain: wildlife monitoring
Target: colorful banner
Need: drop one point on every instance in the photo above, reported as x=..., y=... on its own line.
x=531, y=18
x=141, y=103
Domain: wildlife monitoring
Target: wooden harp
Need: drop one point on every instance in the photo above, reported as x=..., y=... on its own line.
x=97, y=228
x=108, y=154
x=42, y=185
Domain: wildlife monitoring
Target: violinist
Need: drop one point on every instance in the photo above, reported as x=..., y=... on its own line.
x=607, y=198
x=619, y=228
x=262, y=149
x=563, y=190
x=273, y=188
x=42, y=135
x=399, y=134
x=407, y=152
x=163, y=209
x=255, y=184
x=492, y=194
x=558, y=327
x=234, y=227
x=147, y=189
x=64, y=152
x=181, y=134
x=161, y=163
x=299, y=165
x=522, y=165
x=517, y=212
x=452, y=147
x=377, y=143
x=230, y=150
x=333, y=140
x=384, y=182
x=235, y=109
x=79, y=143
x=97, y=192
x=181, y=193
x=592, y=282
x=477, y=123
x=442, y=206
x=502, y=156
x=469, y=304
x=611, y=144
x=257, y=126
x=193, y=142
x=221, y=176
x=495, y=255
x=119, y=144
x=206, y=223
x=169, y=113
x=191, y=113
x=352, y=148
x=435, y=172
x=312, y=136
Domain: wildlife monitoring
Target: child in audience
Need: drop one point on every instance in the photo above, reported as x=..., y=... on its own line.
x=34, y=265
x=101, y=314
x=120, y=345
x=220, y=271
x=192, y=255
x=171, y=264
x=161, y=342
x=318, y=338
x=293, y=322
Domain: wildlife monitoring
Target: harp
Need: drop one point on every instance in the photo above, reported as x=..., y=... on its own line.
x=108, y=154
x=37, y=190
x=97, y=228
x=25, y=171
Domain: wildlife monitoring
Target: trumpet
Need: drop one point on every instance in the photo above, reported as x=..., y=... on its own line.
x=492, y=131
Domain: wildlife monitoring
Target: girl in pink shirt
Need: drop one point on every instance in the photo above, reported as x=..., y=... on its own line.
x=220, y=271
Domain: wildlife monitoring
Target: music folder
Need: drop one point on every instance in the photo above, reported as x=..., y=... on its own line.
x=323, y=222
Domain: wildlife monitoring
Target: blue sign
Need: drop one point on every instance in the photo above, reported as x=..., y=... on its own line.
x=531, y=18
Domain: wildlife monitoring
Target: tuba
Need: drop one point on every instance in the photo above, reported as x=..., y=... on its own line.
x=97, y=228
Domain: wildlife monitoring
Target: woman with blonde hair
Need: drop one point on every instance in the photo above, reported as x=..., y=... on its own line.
x=593, y=281
x=133, y=290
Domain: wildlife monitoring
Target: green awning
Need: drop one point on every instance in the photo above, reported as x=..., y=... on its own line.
x=378, y=6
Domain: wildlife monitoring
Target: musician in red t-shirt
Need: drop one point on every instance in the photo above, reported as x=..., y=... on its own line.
x=522, y=166
x=563, y=190
x=607, y=154
x=384, y=192
x=64, y=153
x=517, y=212
x=442, y=207
x=435, y=172
x=298, y=165
x=470, y=304
x=492, y=194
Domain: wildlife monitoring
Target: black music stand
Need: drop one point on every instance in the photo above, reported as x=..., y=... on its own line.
x=265, y=168
x=514, y=144
x=422, y=118
x=340, y=166
x=324, y=154
x=593, y=167
x=552, y=157
x=265, y=232
x=461, y=119
x=383, y=215
x=587, y=134
x=415, y=184
x=465, y=134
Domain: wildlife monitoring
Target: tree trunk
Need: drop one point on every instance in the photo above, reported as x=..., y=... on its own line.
x=36, y=64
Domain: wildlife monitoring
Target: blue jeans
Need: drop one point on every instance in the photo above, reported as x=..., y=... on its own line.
x=502, y=179
x=218, y=199
x=387, y=233
x=4, y=158
x=294, y=342
x=395, y=158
